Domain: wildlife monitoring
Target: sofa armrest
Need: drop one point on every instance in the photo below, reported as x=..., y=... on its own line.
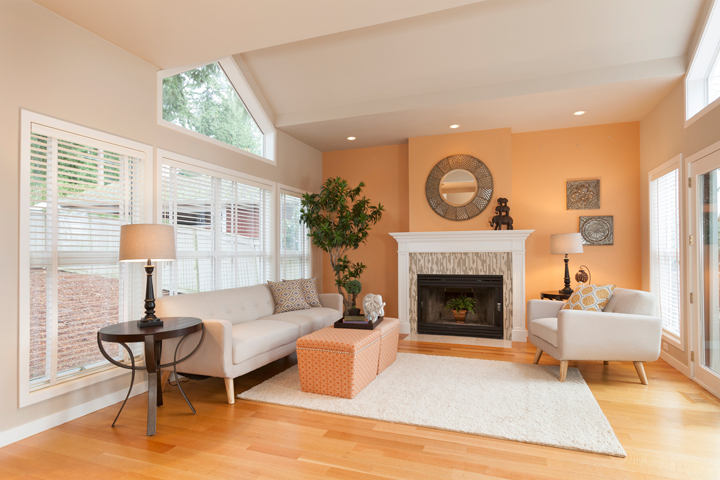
x=332, y=300
x=543, y=309
x=213, y=358
x=586, y=335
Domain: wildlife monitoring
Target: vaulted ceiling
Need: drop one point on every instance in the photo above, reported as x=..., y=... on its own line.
x=386, y=70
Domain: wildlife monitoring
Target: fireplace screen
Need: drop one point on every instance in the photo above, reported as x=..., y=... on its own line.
x=435, y=291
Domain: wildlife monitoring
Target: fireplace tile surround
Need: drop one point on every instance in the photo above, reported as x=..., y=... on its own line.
x=485, y=252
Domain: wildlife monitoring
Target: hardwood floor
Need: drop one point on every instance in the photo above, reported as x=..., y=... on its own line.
x=670, y=429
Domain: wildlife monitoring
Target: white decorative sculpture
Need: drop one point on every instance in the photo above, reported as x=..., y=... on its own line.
x=373, y=306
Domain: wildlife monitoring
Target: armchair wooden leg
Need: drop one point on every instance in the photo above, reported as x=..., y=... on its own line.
x=606, y=363
x=164, y=378
x=230, y=389
x=538, y=354
x=563, y=370
x=641, y=372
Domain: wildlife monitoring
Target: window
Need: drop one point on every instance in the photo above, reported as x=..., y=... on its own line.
x=224, y=227
x=215, y=103
x=714, y=81
x=294, y=242
x=702, y=83
x=665, y=269
x=78, y=187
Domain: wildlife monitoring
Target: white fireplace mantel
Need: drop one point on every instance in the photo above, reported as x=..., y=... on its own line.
x=512, y=241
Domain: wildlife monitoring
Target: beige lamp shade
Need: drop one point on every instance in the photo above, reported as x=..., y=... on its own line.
x=564, y=243
x=147, y=241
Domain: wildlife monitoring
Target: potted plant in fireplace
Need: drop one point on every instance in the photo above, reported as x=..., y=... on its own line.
x=460, y=307
x=353, y=288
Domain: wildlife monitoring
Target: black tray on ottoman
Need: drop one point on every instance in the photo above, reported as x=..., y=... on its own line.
x=359, y=326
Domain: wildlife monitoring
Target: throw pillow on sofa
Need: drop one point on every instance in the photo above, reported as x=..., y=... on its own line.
x=592, y=298
x=288, y=297
x=309, y=289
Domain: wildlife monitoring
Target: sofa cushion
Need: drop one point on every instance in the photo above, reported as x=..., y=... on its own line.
x=236, y=305
x=259, y=336
x=634, y=302
x=309, y=320
x=545, y=328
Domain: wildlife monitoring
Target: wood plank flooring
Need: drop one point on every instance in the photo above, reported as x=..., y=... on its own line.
x=670, y=429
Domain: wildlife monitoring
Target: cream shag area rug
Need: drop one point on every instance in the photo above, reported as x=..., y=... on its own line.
x=511, y=401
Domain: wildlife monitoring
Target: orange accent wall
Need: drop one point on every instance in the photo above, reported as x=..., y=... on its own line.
x=542, y=162
x=493, y=147
x=531, y=170
x=385, y=173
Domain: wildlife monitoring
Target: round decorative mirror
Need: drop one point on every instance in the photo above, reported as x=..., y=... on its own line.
x=459, y=187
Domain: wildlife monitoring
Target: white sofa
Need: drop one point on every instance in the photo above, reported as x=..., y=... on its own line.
x=626, y=331
x=242, y=332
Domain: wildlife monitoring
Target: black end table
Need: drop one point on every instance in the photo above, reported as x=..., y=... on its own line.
x=554, y=295
x=152, y=337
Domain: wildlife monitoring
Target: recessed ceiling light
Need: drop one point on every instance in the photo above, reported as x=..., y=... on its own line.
x=579, y=112
x=351, y=138
x=454, y=126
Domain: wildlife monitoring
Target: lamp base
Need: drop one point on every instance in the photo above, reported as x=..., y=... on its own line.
x=566, y=291
x=153, y=322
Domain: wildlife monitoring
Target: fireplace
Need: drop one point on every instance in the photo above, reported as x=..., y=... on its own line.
x=434, y=291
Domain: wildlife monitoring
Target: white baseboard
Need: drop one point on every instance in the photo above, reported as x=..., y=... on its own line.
x=713, y=392
x=405, y=328
x=40, y=425
x=676, y=364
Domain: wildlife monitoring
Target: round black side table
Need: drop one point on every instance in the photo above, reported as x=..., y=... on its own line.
x=152, y=337
x=554, y=295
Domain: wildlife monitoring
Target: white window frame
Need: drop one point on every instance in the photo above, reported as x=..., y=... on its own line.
x=248, y=97
x=286, y=189
x=166, y=157
x=697, y=102
x=25, y=395
x=675, y=163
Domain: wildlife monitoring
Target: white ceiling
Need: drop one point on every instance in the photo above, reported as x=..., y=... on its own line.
x=386, y=70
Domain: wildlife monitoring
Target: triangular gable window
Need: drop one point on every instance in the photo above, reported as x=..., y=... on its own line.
x=205, y=101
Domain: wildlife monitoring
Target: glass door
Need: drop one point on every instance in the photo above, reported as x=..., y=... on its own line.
x=705, y=269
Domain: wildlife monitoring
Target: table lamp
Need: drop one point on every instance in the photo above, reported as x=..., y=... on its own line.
x=148, y=243
x=564, y=244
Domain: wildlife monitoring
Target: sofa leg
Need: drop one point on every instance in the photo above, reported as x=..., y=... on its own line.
x=563, y=370
x=641, y=372
x=230, y=389
x=164, y=378
x=538, y=354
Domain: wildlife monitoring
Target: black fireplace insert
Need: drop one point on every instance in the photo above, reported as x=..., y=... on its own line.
x=434, y=291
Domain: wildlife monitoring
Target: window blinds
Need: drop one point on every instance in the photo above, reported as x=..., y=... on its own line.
x=81, y=191
x=665, y=248
x=294, y=242
x=223, y=228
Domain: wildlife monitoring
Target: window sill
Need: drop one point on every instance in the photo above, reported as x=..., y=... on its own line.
x=707, y=109
x=92, y=378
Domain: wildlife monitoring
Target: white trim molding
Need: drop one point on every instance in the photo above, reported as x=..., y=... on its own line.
x=483, y=241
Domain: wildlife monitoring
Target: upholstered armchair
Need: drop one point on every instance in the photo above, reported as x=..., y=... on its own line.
x=626, y=331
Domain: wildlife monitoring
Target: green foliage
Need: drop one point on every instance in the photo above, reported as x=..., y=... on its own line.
x=203, y=100
x=353, y=287
x=461, y=303
x=338, y=220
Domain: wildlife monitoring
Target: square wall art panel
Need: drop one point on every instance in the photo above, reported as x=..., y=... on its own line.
x=597, y=230
x=583, y=195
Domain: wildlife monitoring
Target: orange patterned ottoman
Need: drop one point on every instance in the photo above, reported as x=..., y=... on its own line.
x=389, y=330
x=338, y=362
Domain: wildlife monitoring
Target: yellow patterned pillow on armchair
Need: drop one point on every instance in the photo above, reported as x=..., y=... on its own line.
x=592, y=298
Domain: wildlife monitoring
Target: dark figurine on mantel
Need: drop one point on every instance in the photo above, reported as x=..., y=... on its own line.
x=502, y=215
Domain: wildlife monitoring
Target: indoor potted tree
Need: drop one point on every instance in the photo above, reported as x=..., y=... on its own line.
x=338, y=220
x=353, y=288
x=460, y=307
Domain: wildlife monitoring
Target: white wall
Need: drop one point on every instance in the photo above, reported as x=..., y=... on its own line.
x=53, y=67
